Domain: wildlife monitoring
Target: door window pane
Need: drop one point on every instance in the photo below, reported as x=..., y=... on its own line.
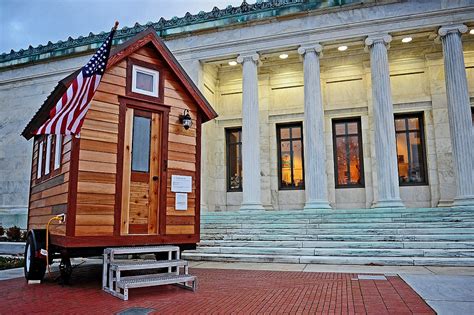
x=348, y=161
x=410, y=149
x=234, y=159
x=291, y=164
x=141, y=144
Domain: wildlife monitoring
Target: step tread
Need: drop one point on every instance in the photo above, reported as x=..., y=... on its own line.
x=343, y=260
x=134, y=264
x=140, y=249
x=152, y=280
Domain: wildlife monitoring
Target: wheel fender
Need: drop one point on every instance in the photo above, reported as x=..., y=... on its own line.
x=39, y=240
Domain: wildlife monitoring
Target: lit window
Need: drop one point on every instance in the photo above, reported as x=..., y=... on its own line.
x=57, y=152
x=234, y=159
x=290, y=156
x=348, y=161
x=40, y=159
x=410, y=149
x=145, y=81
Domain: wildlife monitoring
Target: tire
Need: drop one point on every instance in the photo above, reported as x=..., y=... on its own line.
x=35, y=267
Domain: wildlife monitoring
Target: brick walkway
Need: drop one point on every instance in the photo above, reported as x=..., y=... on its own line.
x=221, y=291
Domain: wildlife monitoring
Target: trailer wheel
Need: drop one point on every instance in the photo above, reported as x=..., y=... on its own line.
x=35, y=267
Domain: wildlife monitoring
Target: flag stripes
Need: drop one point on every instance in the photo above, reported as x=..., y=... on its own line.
x=67, y=116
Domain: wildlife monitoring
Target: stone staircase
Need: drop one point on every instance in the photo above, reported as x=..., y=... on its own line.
x=435, y=237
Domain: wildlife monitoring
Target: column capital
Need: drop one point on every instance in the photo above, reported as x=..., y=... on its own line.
x=303, y=49
x=254, y=56
x=378, y=38
x=446, y=29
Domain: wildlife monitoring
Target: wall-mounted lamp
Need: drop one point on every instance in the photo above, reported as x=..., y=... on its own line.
x=186, y=120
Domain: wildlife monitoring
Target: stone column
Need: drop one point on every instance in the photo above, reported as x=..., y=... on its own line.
x=250, y=133
x=459, y=113
x=316, y=188
x=388, y=192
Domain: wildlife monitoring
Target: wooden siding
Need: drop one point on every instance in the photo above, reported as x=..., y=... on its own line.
x=49, y=195
x=98, y=157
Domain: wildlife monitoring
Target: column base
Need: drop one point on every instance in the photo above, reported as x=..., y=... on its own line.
x=317, y=205
x=383, y=204
x=464, y=202
x=251, y=207
x=204, y=208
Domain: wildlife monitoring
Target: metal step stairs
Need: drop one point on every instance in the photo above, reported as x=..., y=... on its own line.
x=427, y=236
x=115, y=283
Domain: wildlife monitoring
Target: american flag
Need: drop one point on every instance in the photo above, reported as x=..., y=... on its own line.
x=68, y=115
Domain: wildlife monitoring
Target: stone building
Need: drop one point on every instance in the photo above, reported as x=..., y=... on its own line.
x=322, y=104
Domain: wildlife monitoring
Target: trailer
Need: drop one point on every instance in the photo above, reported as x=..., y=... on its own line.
x=132, y=176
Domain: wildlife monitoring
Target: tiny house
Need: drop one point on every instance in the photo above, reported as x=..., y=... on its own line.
x=132, y=177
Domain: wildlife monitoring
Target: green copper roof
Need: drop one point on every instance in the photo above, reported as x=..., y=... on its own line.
x=174, y=26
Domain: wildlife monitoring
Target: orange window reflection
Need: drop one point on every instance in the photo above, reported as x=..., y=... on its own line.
x=348, y=163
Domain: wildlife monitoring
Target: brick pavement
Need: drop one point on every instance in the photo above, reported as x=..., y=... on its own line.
x=221, y=291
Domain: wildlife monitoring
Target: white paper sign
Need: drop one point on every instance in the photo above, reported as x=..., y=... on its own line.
x=181, y=183
x=181, y=201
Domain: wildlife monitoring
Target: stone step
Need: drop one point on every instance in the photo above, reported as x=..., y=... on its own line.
x=339, y=211
x=225, y=221
x=391, y=225
x=335, y=260
x=339, y=251
x=340, y=231
x=334, y=214
x=339, y=244
x=341, y=237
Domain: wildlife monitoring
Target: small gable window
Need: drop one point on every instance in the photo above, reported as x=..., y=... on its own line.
x=145, y=81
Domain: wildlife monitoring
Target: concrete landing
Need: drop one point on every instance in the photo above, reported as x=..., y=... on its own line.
x=446, y=294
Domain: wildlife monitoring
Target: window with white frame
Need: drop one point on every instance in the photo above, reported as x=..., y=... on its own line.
x=57, y=151
x=47, y=159
x=145, y=81
x=40, y=160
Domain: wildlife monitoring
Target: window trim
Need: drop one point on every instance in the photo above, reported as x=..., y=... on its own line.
x=148, y=67
x=47, y=158
x=227, y=154
x=39, y=162
x=358, y=120
x=420, y=116
x=154, y=73
x=58, y=150
x=41, y=166
x=286, y=125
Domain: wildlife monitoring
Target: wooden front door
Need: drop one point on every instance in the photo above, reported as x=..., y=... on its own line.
x=141, y=172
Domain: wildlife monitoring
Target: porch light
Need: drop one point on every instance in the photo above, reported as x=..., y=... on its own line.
x=342, y=48
x=232, y=63
x=283, y=56
x=407, y=39
x=471, y=31
x=186, y=120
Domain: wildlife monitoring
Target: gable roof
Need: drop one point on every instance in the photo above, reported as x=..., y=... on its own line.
x=117, y=54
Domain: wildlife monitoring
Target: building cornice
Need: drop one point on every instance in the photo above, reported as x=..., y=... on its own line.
x=216, y=18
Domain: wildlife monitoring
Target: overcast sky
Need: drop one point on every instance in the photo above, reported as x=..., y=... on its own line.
x=34, y=22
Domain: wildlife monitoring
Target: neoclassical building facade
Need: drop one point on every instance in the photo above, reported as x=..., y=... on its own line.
x=322, y=104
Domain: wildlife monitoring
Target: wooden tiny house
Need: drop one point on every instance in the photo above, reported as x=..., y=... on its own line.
x=114, y=181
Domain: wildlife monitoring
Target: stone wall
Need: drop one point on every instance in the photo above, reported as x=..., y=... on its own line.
x=416, y=87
